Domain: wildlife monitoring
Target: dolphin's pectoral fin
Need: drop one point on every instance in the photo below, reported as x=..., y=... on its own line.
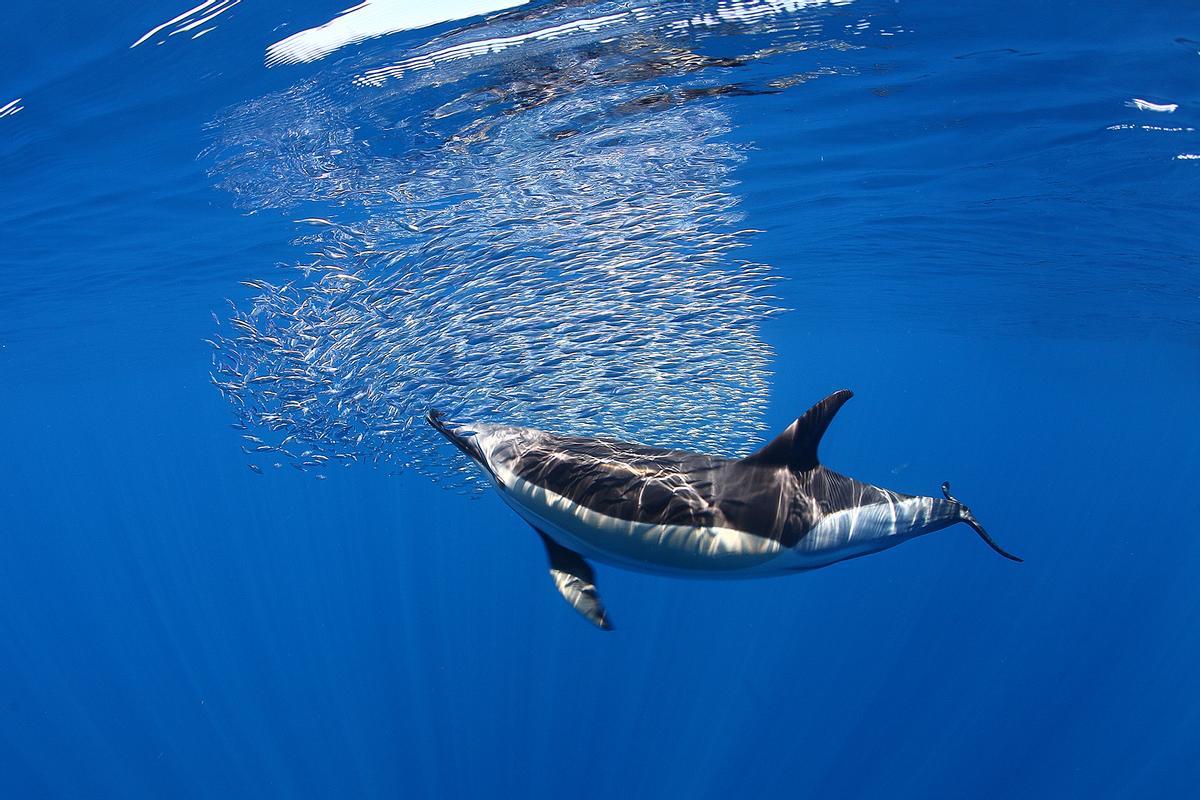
x=796, y=447
x=576, y=582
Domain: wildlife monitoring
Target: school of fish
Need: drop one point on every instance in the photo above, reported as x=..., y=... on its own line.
x=557, y=243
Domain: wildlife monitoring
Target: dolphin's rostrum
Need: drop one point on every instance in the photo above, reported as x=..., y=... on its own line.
x=674, y=512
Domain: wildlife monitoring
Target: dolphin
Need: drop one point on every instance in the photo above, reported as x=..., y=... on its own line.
x=674, y=512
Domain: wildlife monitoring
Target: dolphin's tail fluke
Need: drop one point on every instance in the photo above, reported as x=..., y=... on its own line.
x=969, y=518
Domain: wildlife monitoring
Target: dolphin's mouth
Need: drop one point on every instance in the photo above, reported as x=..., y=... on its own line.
x=461, y=436
x=969, y=518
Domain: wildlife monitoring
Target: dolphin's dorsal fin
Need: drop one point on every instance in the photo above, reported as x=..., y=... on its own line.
x=797, y=446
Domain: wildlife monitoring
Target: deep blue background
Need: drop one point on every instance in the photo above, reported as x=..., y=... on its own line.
x=1010, y=288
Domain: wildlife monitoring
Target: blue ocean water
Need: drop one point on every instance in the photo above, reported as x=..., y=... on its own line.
x=682, y=223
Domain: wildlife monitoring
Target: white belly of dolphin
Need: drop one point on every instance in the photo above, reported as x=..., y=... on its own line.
x=858, y=531
x=671, y=549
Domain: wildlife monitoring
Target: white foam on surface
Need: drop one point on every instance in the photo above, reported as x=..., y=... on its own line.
x=1146, y=105
x=189, y=20
x=374, y=18
x=11, y=108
